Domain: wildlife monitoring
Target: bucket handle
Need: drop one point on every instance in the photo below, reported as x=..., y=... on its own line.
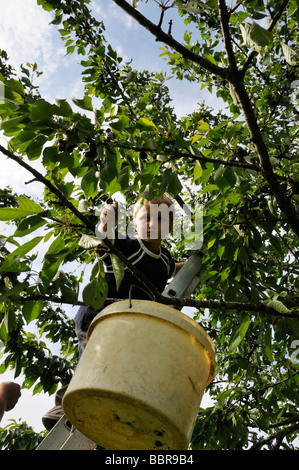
x=138, y=287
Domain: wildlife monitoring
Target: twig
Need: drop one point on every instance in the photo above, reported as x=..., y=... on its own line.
x=161, y=18
x=179, y=154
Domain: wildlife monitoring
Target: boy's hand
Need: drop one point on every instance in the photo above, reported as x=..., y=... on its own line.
x=9, y=395
x=109, y=213
x=108, y=218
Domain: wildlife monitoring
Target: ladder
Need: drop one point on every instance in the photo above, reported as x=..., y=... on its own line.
x=63, y=436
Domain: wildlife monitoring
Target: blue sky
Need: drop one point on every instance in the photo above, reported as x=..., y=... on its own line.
x=26, y=35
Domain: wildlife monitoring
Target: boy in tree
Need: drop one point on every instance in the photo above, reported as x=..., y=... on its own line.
x=153, y=221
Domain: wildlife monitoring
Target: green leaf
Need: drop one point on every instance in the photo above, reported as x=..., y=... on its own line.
x=12, y=124
x=13, y=92
x=89, y=183
x=197, y=172
x=220, y=180
x=7, y=324
x=124, y=177
x=268, y=343
x=94, y=293
x=87, y=241
x=26, y=247
x=278, y=306
x=108, y=173
x=203, y=126
x=293, y=325
x=146, y=124
x=29, y=225
x=192, y=6
x=14, y=290
x=52, y=261
x=32, y=309
x=261, y=36
x=35, y=147
x=3, y=332
x=174, y=185
x=68, y=294
x=41, y=110
x=64, y=108
x=292, y=57
x=85, y=103
x=11, y=262
x=26, y=207
x=118, y=270
x=239, y=334
x=243, y=255
x=225, y=178
x=149, y=172
x=255, y=36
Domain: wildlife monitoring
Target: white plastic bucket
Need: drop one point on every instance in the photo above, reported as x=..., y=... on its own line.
x=141, y=378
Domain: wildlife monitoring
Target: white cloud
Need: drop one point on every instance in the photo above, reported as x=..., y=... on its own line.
x=111, y=13
x=17, y=177
x=25, y=32
x=27, y=36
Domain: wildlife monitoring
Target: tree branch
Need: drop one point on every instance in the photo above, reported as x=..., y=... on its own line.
x=49, y=185
x=256, y=136
x=181, y=303
x=224, y=22
x=231, y=163
x=236, y=79
x=278, y=436
x=179, y=154
x=161, y=36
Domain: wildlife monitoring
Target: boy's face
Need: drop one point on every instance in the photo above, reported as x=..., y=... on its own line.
x=152, y=222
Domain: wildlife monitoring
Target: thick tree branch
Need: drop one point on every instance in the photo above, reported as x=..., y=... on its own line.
x=256, y=136
x=181, y=303
x=224, y=22
x=161, y=36
x=236, y=80
x=49, y=185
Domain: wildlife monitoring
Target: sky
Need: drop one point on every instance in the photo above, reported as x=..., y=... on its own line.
x=27, y=36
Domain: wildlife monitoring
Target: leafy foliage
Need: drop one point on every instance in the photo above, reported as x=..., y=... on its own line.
x=240, y=164
x=19, y=436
